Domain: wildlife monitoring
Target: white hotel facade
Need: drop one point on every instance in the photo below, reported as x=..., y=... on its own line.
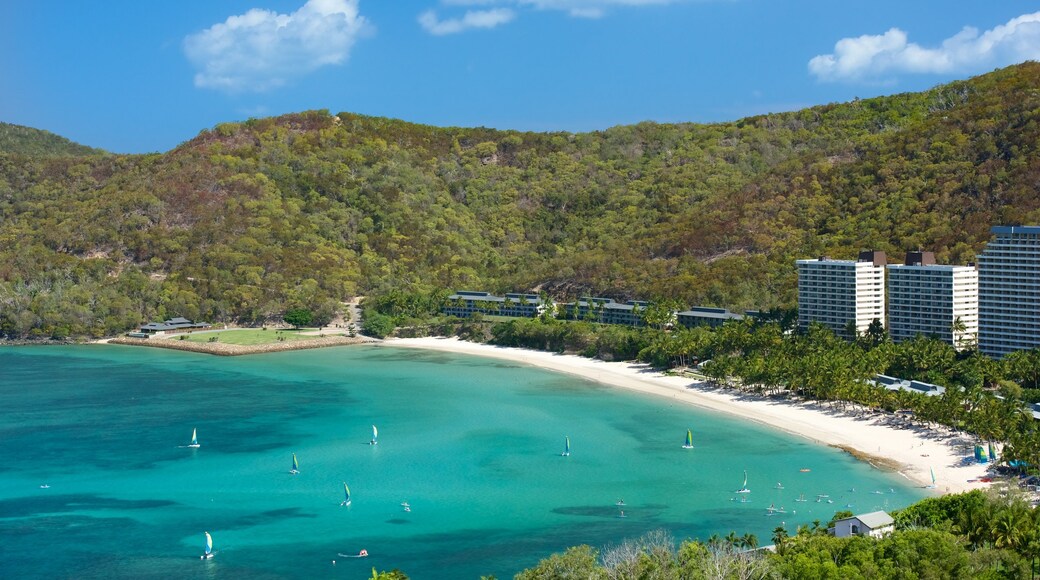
x=837, y=292
x=1009, y=291
x=933, y=300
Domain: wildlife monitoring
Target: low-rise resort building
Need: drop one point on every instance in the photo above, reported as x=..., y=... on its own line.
x=606, y=311
x=704, y=316
x=466, y=303
x=171, y=326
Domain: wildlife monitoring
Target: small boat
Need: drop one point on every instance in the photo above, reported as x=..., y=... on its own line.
x=878, y=492
x=805, y=470
x=405, y=504
x=208, y=547
x=779, y=485
x=932, y=486
x=407, y=508
x=744, y=487
x=346, y=494
x=295, y=465
x=45, y=486
x=622, y=514
x=620, y=502
x=689, y=440
x=801, y=497
x=194, y=439
x=375, y=436
x=362, y=554
x=566, y=446
x=770, y=510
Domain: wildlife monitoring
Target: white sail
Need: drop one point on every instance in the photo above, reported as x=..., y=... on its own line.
x=375, y=435
x=208, y=546
x=194, y=438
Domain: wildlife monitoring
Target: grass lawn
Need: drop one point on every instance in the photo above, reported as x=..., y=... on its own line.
x=249, y=336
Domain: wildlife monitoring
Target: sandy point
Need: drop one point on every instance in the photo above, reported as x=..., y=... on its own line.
x=886, y=440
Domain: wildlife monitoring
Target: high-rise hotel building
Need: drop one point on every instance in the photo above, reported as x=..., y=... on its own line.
x=1009, y=291
x=933, y=300
x=837, y=292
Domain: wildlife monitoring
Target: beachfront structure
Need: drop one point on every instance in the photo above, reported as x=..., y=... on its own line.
x=170, y=326
x=704, y=316
x=925, y=298
x=606, y=311
x=1009, y=291
x=842, y=293
x=919, y=387
x=465, y=303
x=874, y=524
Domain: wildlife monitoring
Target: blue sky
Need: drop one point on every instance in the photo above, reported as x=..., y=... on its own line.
x=138, y=76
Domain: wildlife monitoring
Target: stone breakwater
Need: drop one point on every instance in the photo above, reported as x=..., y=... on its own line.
x=221, y=349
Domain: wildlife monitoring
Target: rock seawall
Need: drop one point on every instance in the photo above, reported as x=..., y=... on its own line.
x=222, y=349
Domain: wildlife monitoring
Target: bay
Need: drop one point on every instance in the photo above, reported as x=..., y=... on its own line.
x=473, y=445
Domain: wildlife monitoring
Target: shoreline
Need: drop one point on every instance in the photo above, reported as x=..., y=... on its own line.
x=884, y=440
x=224, y=349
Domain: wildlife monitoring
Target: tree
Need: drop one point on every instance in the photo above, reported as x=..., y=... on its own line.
x=298, y=317
x=577, y=562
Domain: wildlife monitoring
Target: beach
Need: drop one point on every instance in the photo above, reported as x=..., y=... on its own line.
x=886, y=440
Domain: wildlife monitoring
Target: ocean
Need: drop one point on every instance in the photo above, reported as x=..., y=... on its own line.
x=97, y=481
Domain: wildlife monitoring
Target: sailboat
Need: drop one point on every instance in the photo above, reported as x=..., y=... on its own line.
x=375, y=436
x=744, y=488
x=194, y=439
x=208, y=547
x=346, y=493
x=689, y=440
x=801, y=497
x=295, y=465
x=932, y=486
x=566, y=446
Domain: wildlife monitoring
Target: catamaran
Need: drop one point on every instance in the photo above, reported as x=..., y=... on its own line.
x=208, y=547
x=689, y=440
x=566, y=446
x=375, y=436
x=194, y=439
x=744, y=488
x=346, y=493
x=295, y=465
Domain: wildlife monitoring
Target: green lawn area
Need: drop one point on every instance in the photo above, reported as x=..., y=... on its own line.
x=249, y=336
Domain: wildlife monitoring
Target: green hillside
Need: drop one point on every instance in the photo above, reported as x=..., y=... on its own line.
x=250, y=218
x=38, y=143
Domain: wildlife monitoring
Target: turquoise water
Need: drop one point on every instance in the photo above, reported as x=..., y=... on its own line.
x=474, y=445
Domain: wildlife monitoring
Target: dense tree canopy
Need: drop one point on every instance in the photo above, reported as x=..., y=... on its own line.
x=305, y=210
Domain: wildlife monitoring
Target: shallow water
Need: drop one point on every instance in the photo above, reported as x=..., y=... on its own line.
x=474, y=445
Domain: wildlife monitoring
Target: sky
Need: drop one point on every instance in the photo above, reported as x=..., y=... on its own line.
x=137, y=76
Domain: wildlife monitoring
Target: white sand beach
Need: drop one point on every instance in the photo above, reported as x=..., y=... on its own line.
x=883, y=439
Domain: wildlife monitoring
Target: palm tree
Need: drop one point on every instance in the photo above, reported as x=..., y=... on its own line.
x=780, y=539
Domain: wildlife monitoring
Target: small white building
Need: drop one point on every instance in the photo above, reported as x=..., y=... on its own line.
x=874, y=524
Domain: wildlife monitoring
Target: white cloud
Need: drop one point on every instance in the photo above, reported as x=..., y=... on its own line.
x=262, y=49
x=880, y=57
x=591, y=8
x=492, y=17
x=471, y=19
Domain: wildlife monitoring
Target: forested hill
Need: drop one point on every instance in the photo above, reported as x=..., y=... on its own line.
x=250, y=218
x=39, y=143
